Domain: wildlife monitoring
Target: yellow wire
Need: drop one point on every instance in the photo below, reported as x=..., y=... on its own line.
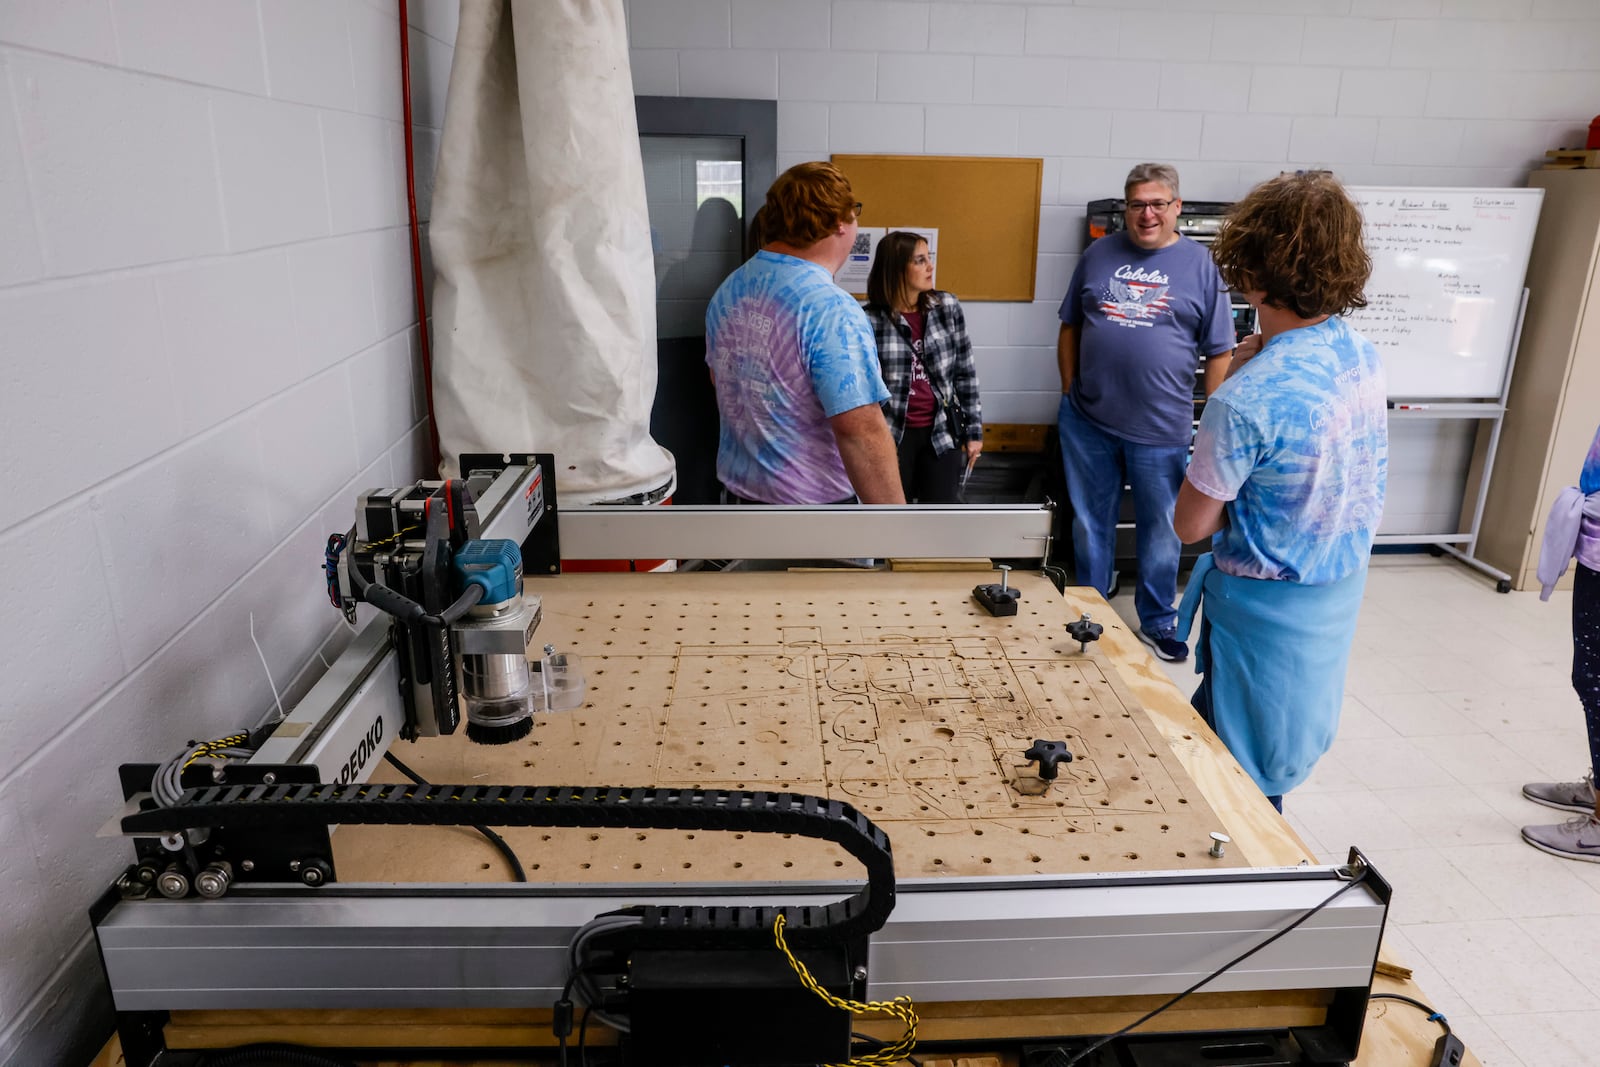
x=396, y=537
x=900, y=1008
x=206, y=748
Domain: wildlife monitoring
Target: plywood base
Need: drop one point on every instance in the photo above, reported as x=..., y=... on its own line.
x=944, y=1021
x=1395, y=1033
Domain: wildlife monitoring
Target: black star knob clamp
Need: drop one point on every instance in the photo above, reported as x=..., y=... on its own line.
x=1048, y=754
x=998, y=598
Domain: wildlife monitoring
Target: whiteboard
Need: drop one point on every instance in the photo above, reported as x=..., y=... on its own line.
x=1447, y=273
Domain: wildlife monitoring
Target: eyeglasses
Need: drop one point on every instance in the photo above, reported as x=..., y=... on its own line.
x=922, y=261
x=857, y=209
x=1158, y=206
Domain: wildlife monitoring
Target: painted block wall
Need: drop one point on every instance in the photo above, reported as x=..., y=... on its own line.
x=208, y=345
x=1384, y=92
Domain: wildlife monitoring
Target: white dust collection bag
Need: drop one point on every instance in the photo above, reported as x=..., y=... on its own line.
x=544, y=289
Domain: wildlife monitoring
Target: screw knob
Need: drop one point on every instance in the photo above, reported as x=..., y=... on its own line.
x=1048, y=754
x=1218, y=840
x=1084, y=630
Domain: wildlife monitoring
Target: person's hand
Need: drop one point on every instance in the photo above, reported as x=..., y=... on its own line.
x=974, y=449
x=1244, y=352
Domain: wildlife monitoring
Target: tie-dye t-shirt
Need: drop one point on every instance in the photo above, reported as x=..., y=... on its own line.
x=790, y=350
x=1297, y=443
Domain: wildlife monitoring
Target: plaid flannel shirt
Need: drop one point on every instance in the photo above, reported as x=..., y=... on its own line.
x=947, y=355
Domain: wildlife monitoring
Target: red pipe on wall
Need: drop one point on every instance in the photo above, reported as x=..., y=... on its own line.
x=416, y=233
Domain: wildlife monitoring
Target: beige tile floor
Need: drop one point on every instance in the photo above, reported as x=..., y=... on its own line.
x=1457, y=695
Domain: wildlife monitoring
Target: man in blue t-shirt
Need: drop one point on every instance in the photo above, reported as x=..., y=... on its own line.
x=1144, y=305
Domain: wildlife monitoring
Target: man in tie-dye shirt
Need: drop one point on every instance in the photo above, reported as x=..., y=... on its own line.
x=794, y=362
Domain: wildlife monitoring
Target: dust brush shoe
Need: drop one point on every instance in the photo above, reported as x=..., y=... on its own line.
x=1576, y=839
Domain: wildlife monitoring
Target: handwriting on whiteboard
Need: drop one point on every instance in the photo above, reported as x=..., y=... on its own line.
x=1446, y=284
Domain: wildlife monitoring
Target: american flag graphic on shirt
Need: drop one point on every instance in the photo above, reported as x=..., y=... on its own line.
x=1135, y=297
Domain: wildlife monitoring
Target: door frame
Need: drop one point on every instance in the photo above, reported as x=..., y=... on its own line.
x=754, y=122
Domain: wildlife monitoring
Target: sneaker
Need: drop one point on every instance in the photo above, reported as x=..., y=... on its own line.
x=1576, y=839
x=1165, y=644
x=1570, y=796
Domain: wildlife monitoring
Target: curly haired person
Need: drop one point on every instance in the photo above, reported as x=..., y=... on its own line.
x=1288, y=481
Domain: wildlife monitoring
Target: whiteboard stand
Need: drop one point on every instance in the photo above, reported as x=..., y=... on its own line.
x=1494, y=413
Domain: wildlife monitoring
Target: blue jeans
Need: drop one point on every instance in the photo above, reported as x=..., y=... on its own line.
x=1097, y=463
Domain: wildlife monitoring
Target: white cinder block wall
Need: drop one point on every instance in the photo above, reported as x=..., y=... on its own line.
x=208, y=345
x=208, y=337
x=1392, y=92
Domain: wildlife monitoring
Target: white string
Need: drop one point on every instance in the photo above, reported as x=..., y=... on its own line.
x=275, y=697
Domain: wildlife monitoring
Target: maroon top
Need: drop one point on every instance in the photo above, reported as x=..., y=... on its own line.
x=922, y=406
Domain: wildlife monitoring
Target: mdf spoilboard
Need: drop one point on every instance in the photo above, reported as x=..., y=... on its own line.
x=986, y=209
x=892, y=691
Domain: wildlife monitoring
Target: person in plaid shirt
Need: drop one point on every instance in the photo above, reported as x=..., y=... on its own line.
x=933, y=408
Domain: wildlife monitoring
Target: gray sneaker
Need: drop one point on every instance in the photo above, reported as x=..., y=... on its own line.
x=1569, y=796
x=1576, y=839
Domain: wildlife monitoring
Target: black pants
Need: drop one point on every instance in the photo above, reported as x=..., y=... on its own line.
x=925, y=477
x=1586, y=654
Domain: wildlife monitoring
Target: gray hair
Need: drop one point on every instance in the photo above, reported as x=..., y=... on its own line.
x=1164, y=173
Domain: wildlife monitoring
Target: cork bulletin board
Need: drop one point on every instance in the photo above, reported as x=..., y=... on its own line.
x=985, y=207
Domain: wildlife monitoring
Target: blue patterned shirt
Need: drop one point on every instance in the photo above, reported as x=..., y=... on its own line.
x=790, y=350
x=1297, y=445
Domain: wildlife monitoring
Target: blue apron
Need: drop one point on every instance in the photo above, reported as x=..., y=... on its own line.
x=1274, y=656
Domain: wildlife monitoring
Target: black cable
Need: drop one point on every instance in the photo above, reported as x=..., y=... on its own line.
x=583, y=1036
x=401, y=606
x=1055, y=1061
x=880, y=1043
x=561, y=1017
x=1433, y=1016
x=494, y=839
x=330, y=567
x=469, y=597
